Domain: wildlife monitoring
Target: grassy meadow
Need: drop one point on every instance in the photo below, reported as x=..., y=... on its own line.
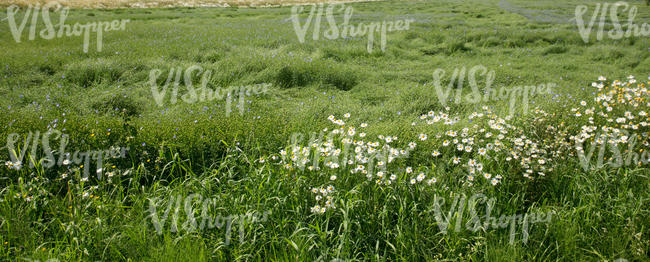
x=170, y=3
x=255, y=167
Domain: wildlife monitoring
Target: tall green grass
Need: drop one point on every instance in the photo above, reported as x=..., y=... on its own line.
x=184, y=148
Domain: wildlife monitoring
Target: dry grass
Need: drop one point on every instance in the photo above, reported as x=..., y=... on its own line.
x=167, y=3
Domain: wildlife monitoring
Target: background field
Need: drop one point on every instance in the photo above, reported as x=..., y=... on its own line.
x=169, y=3
x=102, y=99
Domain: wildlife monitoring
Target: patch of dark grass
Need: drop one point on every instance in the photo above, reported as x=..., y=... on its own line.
x=289, y=77
x=555, y=49
x=86, y=73
x=120, y=104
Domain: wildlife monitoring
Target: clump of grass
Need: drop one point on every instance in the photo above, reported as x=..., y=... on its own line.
x=289, y=77
x=297, y=76
x=456, y=46
x=91, y=72
x=554, y=49
x=120, y=104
